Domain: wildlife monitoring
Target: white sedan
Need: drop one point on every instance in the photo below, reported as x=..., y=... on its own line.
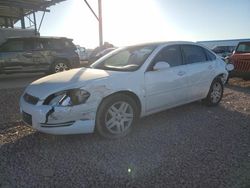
x=126, y=84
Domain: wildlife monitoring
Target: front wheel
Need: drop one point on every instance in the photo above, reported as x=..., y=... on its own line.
x=215, y=93
x=116, y=116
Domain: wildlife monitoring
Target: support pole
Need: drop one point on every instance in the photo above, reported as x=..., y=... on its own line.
x=99, y=19
x=100, y=22
x=41, y=22
x=34, y=18
x=90, y=8
x=22, y=18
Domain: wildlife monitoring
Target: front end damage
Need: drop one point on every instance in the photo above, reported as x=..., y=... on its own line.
x=57, y=119
x=60, y=119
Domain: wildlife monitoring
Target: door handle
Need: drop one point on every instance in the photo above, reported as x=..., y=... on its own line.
x=181, y=73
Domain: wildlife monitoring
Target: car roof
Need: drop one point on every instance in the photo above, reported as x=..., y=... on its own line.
x=224, y=46
x=164, y=43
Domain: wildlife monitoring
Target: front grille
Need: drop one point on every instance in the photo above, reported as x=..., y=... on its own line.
x=27, y=118
x=242, y=65
x=30, y=99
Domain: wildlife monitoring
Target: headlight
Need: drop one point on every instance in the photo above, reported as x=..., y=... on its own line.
x=67, y=98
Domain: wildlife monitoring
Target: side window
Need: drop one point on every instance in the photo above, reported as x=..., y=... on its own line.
x=54, y=44
x=171, y=55
x=42, y=45
x=58, y=44
x=38, y=45
x=29, y=45
x=193, y=54
x=67, y=44
x=13, y=46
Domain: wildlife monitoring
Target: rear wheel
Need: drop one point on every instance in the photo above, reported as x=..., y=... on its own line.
x=60, y=66
x=215, y=93
x=116, y=116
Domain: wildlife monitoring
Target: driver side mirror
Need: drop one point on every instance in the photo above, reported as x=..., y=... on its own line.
x=161, y=65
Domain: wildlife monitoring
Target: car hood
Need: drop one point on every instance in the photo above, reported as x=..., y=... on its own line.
x=74, y=78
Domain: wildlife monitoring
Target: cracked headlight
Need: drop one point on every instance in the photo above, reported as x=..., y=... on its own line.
x=67, y=98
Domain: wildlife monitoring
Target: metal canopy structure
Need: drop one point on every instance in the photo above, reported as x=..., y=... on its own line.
x=11, y=11
x=99, y=19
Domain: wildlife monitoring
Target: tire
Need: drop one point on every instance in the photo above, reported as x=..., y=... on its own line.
x=215, y=93
x=59, y=66
x=116, y=116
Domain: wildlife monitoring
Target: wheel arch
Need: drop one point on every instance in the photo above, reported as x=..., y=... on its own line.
x=58, y=59
x=128, y=93
x=222, y=76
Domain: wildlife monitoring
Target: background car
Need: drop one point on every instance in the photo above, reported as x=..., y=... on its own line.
x=129, y=83
x=241, y=61
x=97, y=56
x=38, y=54
x=223, y=51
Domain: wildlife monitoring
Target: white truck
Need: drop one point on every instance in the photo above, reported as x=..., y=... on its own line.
x=213, y=43
x=222, y=48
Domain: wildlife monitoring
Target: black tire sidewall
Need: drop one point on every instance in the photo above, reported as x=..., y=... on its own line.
x=208, y=99
x=101, y=112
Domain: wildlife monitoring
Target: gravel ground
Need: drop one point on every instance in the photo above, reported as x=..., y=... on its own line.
x=189, y=146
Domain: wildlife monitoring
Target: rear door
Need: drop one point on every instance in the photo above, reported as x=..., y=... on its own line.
x=12, y=56
x=200, y=69
x=31, y=56
x=41, y=54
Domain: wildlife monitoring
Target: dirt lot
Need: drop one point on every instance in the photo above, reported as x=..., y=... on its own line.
x=188, y=146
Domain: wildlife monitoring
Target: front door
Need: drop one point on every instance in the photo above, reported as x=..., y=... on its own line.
x=167, y=87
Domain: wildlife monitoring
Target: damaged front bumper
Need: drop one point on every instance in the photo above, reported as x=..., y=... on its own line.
x=59, y=120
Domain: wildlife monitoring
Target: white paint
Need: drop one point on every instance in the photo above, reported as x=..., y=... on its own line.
x=156, y=90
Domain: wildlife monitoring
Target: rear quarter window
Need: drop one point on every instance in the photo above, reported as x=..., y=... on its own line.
x=210, y=55
x=62, y=44
x=193, y=54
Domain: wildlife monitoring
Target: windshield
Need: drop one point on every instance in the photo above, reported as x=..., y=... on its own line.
x=125, y=59
x=243, y=48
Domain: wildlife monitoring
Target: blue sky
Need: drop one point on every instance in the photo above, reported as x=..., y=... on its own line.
x=134, y=21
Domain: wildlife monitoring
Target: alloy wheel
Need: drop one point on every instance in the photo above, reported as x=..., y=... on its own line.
x=216, y=92
x=119, y=117
x=59, y=67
